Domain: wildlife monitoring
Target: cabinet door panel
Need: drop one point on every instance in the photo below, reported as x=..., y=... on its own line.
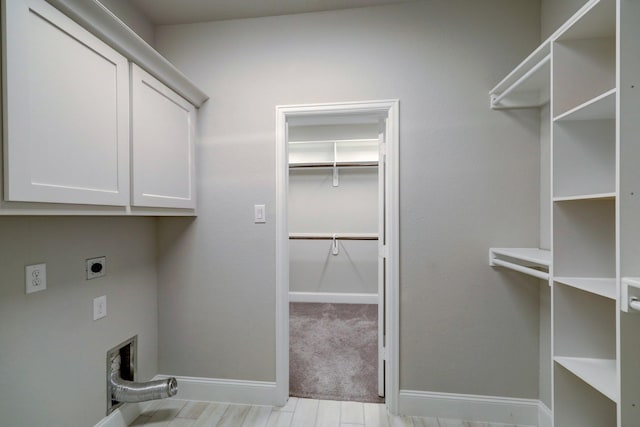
x=67, y=128
x=163, y=144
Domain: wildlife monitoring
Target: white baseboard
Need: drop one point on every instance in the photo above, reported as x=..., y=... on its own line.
x=524, y=412
x=124, y=415
x=333, y=297
x=228, y=391
x=545, y=416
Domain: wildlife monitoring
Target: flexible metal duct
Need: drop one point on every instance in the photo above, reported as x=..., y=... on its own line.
x=131, y=391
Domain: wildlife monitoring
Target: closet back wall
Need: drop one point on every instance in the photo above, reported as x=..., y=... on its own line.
x=469, y=180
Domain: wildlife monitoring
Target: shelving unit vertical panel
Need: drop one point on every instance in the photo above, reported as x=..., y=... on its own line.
x=582, y=70
x=577, y=404
x=584, y=157
x=584, y=238
x=629, y=202
x=546, y=352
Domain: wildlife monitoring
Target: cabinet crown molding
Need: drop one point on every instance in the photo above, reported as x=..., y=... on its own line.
x=100, y=21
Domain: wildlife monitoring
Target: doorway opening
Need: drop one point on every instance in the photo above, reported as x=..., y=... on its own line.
x=337, y=227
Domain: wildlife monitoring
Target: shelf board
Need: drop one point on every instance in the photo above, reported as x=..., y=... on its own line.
x=534, y=255
x=603, y=196
x=603, y=286
x=632, y=281
x=526, y=260
x=330, y=236
x=596, y=19
x=601, y=107
x=316, y=165
x=598, y=373
x=528, y=85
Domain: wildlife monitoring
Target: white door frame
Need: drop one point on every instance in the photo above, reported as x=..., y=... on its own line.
x=390, y=109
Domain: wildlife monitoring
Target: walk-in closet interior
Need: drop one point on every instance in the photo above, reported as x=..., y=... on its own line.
x=334, y=203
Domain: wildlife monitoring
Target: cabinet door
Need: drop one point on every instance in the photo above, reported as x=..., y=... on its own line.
x=66, y=103
x=163, y=144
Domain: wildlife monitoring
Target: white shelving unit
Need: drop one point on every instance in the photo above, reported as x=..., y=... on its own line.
x=603, y=286
x=598, y=373
x=595, y=217
x=527, y=85
x=532, y=261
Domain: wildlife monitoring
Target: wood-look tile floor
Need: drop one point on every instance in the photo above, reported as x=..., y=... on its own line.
x=296, y=413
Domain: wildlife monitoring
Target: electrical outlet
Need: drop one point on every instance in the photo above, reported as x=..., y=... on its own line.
x=99, y=307
x=35, y=278
x=96, y=267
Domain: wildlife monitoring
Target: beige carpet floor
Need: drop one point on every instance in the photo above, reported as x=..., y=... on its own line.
x=334, y=351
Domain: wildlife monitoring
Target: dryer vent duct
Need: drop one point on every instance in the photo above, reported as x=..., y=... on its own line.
x=121, y=384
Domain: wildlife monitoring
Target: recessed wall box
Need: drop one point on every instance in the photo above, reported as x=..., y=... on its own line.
x=96, y=267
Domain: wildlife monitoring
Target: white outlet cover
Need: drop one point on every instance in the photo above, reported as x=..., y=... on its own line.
x=35, y=278
x=99, y=307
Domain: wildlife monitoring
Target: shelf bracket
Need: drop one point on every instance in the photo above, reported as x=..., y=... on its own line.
x=336, y=177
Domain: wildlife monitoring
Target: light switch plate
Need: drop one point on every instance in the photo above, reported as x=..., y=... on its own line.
x=259, y=214
x=35, y=278
x=99, y=307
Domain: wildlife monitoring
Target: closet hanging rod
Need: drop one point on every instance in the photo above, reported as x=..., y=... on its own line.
x=331, y=141
x=329, y=236
x=330, y=164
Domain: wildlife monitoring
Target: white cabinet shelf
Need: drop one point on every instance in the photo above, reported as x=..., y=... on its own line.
x=598, y=373
x=531, y=261
x=603, y=286
x=99, y=20
x=66, y=109
x=527, y=86
x=163, y=143
x=577, y=197
x=595, y=214
x=599, y=108
x=83, y=135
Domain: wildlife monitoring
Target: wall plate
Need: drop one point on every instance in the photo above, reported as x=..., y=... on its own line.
x=35, y=278
x=96, y=267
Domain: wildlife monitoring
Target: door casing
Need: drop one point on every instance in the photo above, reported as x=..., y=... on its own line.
x=389, y=111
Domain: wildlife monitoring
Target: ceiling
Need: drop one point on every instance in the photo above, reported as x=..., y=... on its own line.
x=163, y=12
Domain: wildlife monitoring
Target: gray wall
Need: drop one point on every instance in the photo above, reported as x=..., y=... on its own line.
x=52, y=353
x=313, y=268
x=315, y=206
x=469, y=180
x=555, y=12
x=136, y=20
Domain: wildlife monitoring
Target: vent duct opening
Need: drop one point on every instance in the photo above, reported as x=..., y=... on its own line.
x=121, y=373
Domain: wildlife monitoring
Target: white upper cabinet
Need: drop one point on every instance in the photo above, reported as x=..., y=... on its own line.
x=66, y=109
x=163, y=133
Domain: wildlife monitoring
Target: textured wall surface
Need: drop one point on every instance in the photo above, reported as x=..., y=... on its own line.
x=52, y=353
x=469, y=180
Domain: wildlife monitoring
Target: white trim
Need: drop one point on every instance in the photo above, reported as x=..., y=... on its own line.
x=282, y=258
x=100, y=21
x=333, y=297
x=123, y=416
x=388, y=109
x=228, y=391
x=470, y=407
x=545, y=415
